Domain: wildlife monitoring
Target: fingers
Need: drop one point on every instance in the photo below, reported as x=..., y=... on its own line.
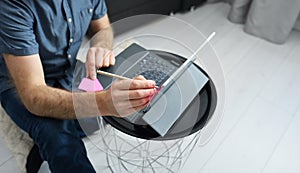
x=135, y=84
x=142, y=93
x=140, y=102
x=90, y=65
x=133, y=89
x=134, y=103
x=129, y=96
x=135, y=94
x=140, y=77
x=99, y=58
x=126, y=108
x=109, y=59
x=112, y=59
x=138, y=84
x=96, y=58
x=130, y=110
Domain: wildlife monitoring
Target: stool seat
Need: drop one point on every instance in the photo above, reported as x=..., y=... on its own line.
x=20, y=145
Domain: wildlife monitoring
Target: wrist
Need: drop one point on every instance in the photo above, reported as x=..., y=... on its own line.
x=102, y=100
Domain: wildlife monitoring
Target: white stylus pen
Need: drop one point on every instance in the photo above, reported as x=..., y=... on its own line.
x=114, y=75
x=187, y=62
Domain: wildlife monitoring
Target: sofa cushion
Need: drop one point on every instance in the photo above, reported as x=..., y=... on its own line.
x=121, y=9
x=116, y=6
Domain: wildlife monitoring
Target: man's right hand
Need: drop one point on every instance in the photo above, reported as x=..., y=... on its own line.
x=125, y=97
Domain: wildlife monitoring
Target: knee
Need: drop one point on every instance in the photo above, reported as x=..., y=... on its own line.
x=58, y=140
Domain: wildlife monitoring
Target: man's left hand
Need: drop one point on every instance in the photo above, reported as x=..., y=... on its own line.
x=98, y=57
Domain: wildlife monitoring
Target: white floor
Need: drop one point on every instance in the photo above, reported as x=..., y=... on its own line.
x=261, y=124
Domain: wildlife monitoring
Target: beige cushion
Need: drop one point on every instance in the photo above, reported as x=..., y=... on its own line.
x=17, y=141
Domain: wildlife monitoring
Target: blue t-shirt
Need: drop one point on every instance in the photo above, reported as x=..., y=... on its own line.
x=54, y=29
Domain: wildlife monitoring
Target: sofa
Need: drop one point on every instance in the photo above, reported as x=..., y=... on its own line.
x=121, y=9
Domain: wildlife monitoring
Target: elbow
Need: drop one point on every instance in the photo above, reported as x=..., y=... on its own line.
x=31, y=101
x=31, y=104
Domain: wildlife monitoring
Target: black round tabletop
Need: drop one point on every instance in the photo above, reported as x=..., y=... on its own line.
x=193, y=119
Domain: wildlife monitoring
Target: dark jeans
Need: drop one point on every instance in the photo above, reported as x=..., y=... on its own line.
x=59, y=141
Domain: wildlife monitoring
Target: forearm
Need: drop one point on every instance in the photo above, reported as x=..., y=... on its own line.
x=56, y=103
x=103, y=38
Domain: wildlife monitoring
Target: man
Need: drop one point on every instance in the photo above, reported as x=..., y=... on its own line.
x=39, y=41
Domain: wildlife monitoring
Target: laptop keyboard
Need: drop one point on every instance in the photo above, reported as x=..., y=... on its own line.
x=158, y=76
x=152, y=67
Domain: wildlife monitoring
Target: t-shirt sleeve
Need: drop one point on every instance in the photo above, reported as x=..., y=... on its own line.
x=16, y=29
x=100, y=9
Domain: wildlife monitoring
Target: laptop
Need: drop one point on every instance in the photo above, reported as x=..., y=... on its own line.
x=169, y=103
